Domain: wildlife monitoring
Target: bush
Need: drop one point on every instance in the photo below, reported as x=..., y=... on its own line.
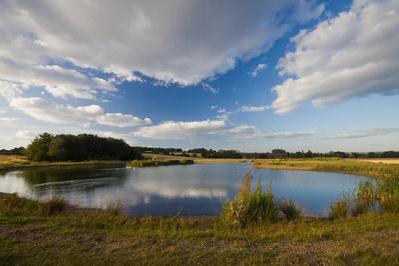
x=248, y=207
x=290, y=210
x=339, y=209
x=54, y=206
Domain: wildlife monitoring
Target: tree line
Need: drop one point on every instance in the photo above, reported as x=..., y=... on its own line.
x=66, y=147
x=282, y=154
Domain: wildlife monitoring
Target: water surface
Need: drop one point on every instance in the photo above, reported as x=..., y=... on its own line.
x=199, y=189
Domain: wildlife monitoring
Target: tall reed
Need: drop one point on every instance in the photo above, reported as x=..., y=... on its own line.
x=257, y=207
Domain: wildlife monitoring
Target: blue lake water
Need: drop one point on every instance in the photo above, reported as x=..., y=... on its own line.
x=199, y=189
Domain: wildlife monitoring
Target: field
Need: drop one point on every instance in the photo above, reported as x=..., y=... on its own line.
x=389, y=161
x=77, y=236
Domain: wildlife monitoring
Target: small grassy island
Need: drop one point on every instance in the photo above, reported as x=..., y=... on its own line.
x=157, y=162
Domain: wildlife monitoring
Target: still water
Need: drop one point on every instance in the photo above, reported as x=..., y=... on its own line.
x=199, y=189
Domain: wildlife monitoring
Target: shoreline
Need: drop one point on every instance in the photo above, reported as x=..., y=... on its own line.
x=6, y=169
x=92, y=236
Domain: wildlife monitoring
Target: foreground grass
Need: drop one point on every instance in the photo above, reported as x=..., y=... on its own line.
x=10, y=162
x=348, y=166
x=78, y=236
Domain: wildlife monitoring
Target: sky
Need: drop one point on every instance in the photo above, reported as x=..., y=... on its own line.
x=244, y=75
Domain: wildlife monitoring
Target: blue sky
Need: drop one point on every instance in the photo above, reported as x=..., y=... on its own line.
x=253, y=75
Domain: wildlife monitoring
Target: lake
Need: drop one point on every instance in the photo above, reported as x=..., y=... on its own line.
x=199, y=189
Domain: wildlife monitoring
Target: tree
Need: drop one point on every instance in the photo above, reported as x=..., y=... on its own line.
x=80, y=148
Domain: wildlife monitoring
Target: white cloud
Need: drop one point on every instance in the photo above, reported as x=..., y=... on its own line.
x=179, y=130
x=365, y=133
x=184, y=130
x=210, y=88
x=26, y=135
x=60, y=114
x=178, y=41
x=9, y=89
x=6, y=119
x=122, y=120
x=251, y=132
x=353, y=54
x=259, y=68
x=252, y=109
x=58, y=81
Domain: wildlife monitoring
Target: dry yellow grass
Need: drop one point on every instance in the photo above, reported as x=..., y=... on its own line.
x=12, y=160
x=389, y=161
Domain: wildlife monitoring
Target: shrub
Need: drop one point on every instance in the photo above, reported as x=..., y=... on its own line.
x=360, y=207
x=54, y=206
x=290, y=210
x=339, y=209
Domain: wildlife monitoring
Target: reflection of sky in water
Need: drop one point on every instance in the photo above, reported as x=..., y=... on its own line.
x=197, y=189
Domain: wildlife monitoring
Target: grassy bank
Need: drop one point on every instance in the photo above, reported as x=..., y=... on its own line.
x=151, y=163
x=12, y=162
x=75, y=236
x=348, y=166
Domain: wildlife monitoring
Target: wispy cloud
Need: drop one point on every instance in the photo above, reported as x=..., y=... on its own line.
x=184, y=130
x=63, y=114
x=259, y=68
x=208, y=87
x=252, y=109
x=364, y=133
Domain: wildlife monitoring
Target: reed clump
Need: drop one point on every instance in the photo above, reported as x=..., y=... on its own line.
x=339, y=209
x=290, y=210
x=251, y=207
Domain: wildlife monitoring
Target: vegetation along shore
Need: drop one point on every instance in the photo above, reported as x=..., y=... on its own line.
x=253, y=228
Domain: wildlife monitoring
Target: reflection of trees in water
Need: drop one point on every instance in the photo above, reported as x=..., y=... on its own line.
x=60, y=174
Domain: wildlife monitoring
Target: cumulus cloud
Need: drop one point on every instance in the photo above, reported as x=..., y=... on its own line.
x=122, y=120
x=60, y=114
x=259, y=68
x=183, y=130
x=353, y=54
x=174, y=41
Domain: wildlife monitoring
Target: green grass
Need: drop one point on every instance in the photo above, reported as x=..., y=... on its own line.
x=81, y=237
x=151, y=163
